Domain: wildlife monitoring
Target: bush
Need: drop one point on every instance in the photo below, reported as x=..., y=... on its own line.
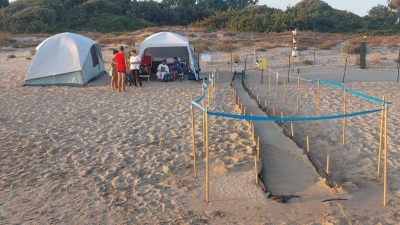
x=349, y=48
x=375, y=60
x=5, y=39
x=11, y=56
x=307, y=62
x=201, y=46
x=327, y=45
x=33, y=52
x=223, y=46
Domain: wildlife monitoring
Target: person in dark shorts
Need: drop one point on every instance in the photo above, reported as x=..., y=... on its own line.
x=134, y=62
x=122, y=66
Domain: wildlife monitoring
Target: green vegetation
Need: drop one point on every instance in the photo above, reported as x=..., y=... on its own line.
x=11, y=56
x=52, y=16
x=349, y=48
x=307, y=62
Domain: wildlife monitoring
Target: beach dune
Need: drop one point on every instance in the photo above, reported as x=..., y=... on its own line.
x=91, y=155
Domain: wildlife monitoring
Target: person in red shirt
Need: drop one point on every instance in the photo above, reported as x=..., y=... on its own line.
x=122, y=67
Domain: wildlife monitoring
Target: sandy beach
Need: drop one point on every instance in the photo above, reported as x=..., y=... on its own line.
x=91, y=155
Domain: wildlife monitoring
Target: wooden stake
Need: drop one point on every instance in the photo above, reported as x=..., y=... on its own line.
x=291, y=129
x=344, y=118
x=327, y=164
x=236, y=98
x=211, y=87
x=308, y=144
x=193, y=138
x=273, y=111
x=208, y=92
x=255, y=168
x=276, y=84
x=298, y=92
x=282, y=116
x=216, y=81
x=269, y=80
x=234, y=95
x=262, y=76
x=284, y=90
x=207, y=161
x=244, y=111
x=214, y=85
x=385, y=161
x=265, y=105
x=378, y=171
x=258, y=149
x=318, y=101
x=252, y=130
x=204, y=121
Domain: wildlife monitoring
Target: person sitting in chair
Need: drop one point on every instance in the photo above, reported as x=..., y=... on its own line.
x=162, y=69
x=176, y=67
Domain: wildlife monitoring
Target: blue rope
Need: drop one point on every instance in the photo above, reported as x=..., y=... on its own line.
x=356, y=93
x=288, y=119
x=206, y=85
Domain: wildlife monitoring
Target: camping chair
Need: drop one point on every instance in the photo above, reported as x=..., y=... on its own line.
x=181, y=75
x=183, y=70
x=146, y=64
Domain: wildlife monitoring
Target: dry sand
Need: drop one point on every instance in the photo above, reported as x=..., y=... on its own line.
x=94, y=156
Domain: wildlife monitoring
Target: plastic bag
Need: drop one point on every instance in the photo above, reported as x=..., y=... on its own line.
x=110, y=72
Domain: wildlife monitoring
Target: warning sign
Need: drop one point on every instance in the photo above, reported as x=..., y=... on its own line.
x=262, y=64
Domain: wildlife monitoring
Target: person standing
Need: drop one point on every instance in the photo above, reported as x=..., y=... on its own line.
x=134, y=61
x=114, y=77
x=122, y=66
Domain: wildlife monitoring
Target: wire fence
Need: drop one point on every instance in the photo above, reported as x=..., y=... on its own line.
x=327, y=65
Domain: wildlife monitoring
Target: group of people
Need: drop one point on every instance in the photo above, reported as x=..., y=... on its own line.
x=120, y=66
x=163, y=69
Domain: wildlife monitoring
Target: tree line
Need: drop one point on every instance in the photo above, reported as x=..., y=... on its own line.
x=51, y=16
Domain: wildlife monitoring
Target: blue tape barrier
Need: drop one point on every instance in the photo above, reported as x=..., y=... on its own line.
x=356, y=93
x=288, y=119
x=206, y=85
x=362, y=95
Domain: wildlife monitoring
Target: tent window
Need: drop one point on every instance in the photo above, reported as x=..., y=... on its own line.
x=95, y=59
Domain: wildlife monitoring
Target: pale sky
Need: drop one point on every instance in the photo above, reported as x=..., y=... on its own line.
x=359, y=7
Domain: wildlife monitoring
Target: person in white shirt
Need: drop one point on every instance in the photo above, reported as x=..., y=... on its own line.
x=134, y=62
x=162, y=69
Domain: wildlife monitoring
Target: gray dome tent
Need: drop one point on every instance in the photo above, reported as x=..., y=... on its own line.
x=65, y=59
